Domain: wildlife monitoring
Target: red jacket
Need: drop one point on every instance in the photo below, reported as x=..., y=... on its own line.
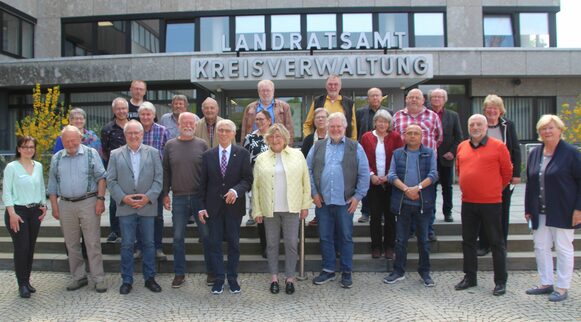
x=391, y=142
x=483, y=172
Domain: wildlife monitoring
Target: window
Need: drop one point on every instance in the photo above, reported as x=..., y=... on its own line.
x=429, y=29
x=360, y=25
x=321, y=31
x=111, y=38
x=145, y=36
x=17, y=36
x=214, y=34
x=395, y=22
x=534, y=30
x=498, y=31
x=282, y=26
x=520, y=29
x=180, y=37
x=250, y=33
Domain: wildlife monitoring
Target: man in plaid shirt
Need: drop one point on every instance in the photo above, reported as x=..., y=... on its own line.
x=432, y=135
x=416, y=113
x=154, y=135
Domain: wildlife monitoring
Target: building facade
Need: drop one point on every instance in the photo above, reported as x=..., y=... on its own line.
x=222, y=48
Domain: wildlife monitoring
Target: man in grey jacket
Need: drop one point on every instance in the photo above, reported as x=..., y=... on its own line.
x=134, y=179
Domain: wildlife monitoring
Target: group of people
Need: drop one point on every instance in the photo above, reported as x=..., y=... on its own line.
x=392, y=161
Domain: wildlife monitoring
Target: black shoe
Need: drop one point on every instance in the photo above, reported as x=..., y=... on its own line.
x=290, y=288
x=464, y=284
x=482, y=251
x=152, y=285
x=30, y=288
x=274, y=288
x=448, y=218
x=210, y=279
x=432, y=237
x=24, y=292
x=499, y=289
x=125, y=288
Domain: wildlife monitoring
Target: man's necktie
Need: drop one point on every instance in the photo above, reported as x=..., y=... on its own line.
x=223, y=163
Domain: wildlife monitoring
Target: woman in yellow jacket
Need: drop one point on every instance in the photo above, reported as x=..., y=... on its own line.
x=281, y=197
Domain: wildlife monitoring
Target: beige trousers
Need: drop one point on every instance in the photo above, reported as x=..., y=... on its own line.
x=74, y=218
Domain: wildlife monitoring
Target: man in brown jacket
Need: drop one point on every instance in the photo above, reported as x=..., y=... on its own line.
x=279, y=111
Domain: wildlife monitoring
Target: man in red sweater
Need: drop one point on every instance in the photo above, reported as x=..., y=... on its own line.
x=484, y=169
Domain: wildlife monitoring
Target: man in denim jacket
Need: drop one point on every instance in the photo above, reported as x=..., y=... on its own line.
x=412, y=172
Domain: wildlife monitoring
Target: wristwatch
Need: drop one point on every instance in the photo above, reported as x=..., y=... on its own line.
x=420, y=186
x=101, y=198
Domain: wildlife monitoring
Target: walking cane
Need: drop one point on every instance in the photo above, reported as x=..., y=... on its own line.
x=302, y=276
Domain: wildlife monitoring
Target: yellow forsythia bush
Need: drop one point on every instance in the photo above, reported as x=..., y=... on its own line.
x=45, y=122
x=571, y=116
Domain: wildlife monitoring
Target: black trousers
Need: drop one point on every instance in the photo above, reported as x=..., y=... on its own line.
x=445, y=181
x=506, y=196
x=475, y=216
x=24, y=241
x=379, y=198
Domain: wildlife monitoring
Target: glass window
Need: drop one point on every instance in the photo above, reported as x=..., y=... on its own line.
x=281, y=27
x=498, y=31
x=214, y=34
x=111, y=38
x=27, y=40
x=322, y=28
x=78, y=39
x=145, y=36
x=392, y=23
x=429, y=29
x=180, y=37
x=11, y=34
x=360, y=25
x=250, y=33
x=534, y=30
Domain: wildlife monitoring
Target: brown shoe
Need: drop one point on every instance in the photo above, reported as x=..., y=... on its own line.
x=375, y=253
x=178, y=281
x=210, y=279
x=389, y=253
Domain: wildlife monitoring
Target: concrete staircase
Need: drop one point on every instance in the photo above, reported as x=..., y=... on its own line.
x=446, y=253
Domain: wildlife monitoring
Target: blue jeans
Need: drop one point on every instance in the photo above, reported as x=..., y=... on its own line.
x=113, y=219
x=333, y=218
x=128, y=225
x=158, y=227
x=182, y=208
x=337, y=237
x=422, y=220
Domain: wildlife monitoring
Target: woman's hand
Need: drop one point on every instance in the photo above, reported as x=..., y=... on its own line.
x=43, y=213
x=304, y=213
x=576, y=217
x=259, y=219
x=15, y=221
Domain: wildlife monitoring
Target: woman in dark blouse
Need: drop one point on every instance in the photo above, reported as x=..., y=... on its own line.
x=255, y=144
x=553, y=205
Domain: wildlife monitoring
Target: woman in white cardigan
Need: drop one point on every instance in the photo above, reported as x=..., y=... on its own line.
x=281, y=197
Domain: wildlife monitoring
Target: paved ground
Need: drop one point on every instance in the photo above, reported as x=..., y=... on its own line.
x=368, y=300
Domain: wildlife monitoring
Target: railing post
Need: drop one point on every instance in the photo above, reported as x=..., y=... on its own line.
x=302, y=275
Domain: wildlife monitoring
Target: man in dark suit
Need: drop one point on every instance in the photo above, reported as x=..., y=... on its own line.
x=446, y=150
x=226, y=177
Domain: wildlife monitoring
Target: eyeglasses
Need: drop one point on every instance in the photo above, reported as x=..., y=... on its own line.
x=28, y=147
